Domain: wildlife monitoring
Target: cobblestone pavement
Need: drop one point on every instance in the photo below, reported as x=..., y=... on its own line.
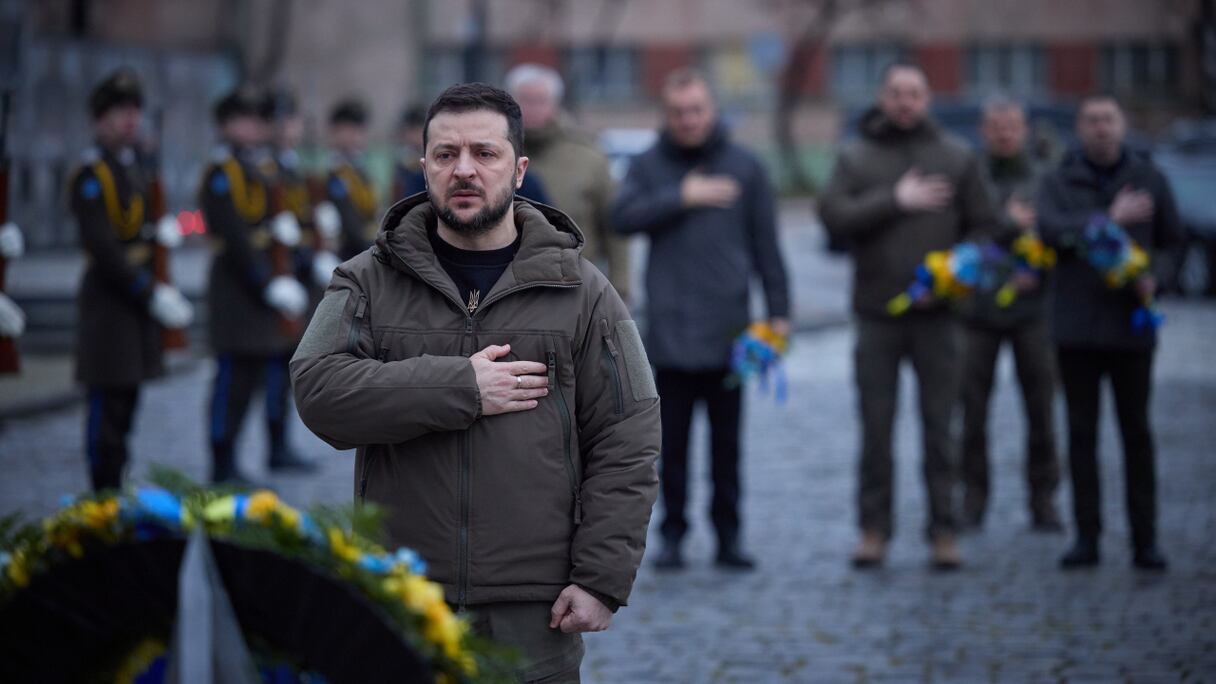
x=805, y=616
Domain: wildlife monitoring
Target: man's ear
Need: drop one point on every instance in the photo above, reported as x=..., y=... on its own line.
x=422, y=163
x=521, y=168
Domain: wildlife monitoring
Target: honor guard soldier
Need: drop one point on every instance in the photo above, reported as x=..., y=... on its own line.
x=120, y=306
x=256, y=303
x=348, y=186
x=320, y=225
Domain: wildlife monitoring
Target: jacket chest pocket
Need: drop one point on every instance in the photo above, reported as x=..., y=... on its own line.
x=399, y=344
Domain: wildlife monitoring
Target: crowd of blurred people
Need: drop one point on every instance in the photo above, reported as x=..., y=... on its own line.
x=903, y=189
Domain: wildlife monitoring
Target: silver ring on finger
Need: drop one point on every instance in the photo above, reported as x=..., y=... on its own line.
x=519, y=381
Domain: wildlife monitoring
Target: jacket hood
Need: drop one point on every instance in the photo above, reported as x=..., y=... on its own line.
x=875, y=125
x=548, y=250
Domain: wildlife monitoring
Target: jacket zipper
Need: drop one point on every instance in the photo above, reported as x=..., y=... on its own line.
x=356, y=326
x=564, y=410
x=610, y=355
x=462, y=482
x=367, y=454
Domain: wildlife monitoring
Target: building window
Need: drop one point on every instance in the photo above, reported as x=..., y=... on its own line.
x=857, y=69
x=1019, y=70
x=448, y=65
x=602, y=73
x=1139, y=68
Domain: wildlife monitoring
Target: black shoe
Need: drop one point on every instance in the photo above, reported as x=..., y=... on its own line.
x=1149, y=558
x=1083, y=554
x=669, y=558
x=734, y=559
x=287, y=460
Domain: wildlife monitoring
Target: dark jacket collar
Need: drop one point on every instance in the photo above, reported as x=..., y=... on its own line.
x=548, y=250
x=1076, y=167
x=718, y=138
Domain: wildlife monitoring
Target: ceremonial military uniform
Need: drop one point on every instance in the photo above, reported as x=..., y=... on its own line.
x=352, y=193
x=252, y=340
x=118, y=342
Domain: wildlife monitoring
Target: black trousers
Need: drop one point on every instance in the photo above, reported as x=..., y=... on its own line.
x=1034, y=359
x=931, y=342
x=1130, y=373
x=236, y=380
x=111, y=412
x=679, y=393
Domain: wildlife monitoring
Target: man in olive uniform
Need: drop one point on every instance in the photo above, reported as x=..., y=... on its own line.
x=348, y=186
x=119, y=304
x=575, y=171
x=1011, y=177
x=256, y=304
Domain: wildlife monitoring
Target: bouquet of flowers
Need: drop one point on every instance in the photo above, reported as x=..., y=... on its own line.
x=1113, y=253
x=948, y=274
x=1029, y=255
x=757, y=353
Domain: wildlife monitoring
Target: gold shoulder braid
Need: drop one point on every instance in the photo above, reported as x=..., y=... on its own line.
x=295, y=199
x=361, y=193
x=250, y=203
x=126, y=222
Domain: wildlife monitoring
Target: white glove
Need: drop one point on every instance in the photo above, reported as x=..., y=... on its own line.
x=168, y=233
x=329, y=221
x=12, y=320
x=12, y=242
x=323, y=265
x=170, y=307
x=285, y=229
x=286, y=295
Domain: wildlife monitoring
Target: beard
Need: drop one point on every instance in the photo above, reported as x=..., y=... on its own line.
x=483, y=221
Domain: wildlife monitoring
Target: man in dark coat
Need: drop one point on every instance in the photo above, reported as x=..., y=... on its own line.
x=1011, y=176
x=1093, y=322
x=256, y=302
x=708, y=209
x=903, y=189
x=121, y=308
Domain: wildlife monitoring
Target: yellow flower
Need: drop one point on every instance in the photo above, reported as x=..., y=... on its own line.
x=421, y=594
x=260, y=505
x=220, y=510
x=344, y=549
x=289, y=516
x=443, y=628
x=99, y=514
x=17, y=571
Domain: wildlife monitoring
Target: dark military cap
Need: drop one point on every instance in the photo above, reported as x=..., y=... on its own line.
x=349, y=112
x=247, y=100
x=119, y=88
x=413, y=117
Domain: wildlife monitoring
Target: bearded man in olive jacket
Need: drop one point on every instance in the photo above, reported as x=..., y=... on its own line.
x=904, y=189
x=497, y=391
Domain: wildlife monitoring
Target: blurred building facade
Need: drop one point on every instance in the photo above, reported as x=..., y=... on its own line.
x=614, y=54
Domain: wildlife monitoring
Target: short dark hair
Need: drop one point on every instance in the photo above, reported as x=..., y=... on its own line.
x=468, y=97
x=349, y=111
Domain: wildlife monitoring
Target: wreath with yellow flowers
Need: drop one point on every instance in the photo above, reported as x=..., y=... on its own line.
x=317, y=600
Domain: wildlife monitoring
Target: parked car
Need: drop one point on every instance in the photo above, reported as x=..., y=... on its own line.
x=1187, y=157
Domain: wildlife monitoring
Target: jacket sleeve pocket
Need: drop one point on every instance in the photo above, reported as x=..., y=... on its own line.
x=637, y=366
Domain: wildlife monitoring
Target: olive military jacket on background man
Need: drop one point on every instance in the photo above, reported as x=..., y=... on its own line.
x=511, y=507
x=118, y=341
x=887, y=243
x=577, y=177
